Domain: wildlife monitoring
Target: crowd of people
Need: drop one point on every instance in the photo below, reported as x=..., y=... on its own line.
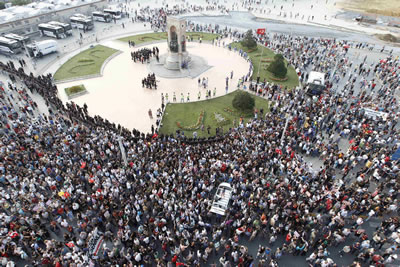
x=144, y=55
x=150, y=81
x=69, y=180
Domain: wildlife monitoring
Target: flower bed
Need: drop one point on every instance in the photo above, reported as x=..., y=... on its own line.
x=196, y=126
x=230, y=111
x=220, y=120
x=151, y=38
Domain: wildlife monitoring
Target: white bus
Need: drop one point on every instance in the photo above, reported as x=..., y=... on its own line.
x=52, y=31
x=66, y=26
x=16, y=37
x=116, y=14
x=103, y=17
x=84, y=24
x=79, y=15
x=9, y=46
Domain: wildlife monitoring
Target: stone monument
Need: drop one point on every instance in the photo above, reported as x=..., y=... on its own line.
x=177, y=57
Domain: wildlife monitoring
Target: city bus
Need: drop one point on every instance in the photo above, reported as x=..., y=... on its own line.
x=116, y=14
x=19, y=38
x=9, y=46
x=52, y=31
x=103, y=17
x=85, y=24
x=66, y=26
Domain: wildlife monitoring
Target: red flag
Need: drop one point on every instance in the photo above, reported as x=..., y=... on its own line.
x=277, y=150
x=13, y=234
x=83, y=165
x=155, y=136
x=292, y=155
x=351, y=141
x=261, y=31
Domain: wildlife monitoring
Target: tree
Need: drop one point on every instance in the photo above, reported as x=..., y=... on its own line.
x=278, y=67
x=2, y=5
x=249, y=41
x=243, y=101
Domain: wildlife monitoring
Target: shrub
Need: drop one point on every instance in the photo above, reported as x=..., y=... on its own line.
x=244, y=102
x=249, y=41
x=278, y=67
x=278, y=57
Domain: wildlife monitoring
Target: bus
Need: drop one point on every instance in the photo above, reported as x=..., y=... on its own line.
x=79, y=15
x=52, y=31
x=103, y=17
x=84, y=24
x=9, y=46
x=19, y=38
x=66, y=26
x=114, y=13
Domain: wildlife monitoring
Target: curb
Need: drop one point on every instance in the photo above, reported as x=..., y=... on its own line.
x=78, y=94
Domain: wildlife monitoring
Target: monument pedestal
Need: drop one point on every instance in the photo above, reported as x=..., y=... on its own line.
x=174, y=60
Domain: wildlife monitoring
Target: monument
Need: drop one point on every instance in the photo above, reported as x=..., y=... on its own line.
x=177, y=55
x=177, y=63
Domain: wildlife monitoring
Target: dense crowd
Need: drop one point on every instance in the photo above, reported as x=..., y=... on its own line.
x=143, y=55
x=150, y=81
x=68, y=177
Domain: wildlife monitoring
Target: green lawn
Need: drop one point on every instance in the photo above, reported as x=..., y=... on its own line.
x=157, y=36
x=85, y=63
x=268, y=55
x=76, y=89
x=187, y=114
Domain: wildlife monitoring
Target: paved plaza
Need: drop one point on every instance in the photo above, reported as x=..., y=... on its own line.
x=118, y=94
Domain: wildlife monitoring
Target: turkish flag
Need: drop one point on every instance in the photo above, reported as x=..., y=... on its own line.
x=83, y=165
x=261, y=31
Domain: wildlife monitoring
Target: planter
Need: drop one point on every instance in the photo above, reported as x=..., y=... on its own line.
x=75, y=91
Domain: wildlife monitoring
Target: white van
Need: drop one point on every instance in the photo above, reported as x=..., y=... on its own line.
x=42, y=48
x=315, y=83
x=221, y=199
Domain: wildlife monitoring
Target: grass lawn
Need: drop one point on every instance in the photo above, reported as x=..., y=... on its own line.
x=187, y=114
x=75, y=89
x=85, y=63
x=156, y=36
x=268, y=55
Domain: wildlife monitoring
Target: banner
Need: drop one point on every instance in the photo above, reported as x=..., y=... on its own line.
x=95, y=243
x=261, y=31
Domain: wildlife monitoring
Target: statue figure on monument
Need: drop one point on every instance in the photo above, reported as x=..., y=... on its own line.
x=173, y=45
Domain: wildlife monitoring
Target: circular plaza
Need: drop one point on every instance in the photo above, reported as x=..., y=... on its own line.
x=118, y=95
